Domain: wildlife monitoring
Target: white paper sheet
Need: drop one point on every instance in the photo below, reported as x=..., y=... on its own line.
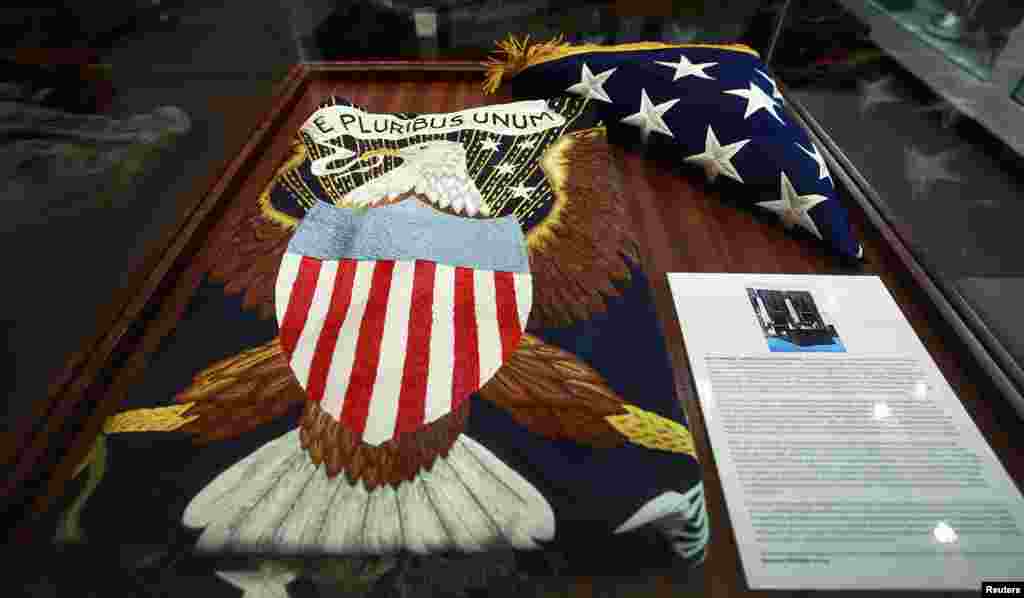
x=846, y=459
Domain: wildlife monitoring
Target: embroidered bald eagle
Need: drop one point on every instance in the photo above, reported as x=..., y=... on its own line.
x=435, y=170
x=383, y=461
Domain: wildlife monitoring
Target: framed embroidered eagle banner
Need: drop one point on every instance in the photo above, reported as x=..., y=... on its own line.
x=410, y=340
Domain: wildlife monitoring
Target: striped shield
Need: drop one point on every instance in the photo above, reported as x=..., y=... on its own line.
x=389, y=345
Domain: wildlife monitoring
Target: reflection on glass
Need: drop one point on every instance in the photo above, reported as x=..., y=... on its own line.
x=932, y=127
x=882, y=411
x=704, y=387
x=944, y=533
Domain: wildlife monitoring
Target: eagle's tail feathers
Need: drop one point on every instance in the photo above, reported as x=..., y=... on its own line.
x=277, y=501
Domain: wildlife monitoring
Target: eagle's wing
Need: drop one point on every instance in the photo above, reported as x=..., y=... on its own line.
x=225, y=400
x=238, y=394
x=243, y=392
x=554, y=394
x=319, y=490
x=546, y=389
x=246, y=258
x=581, y=247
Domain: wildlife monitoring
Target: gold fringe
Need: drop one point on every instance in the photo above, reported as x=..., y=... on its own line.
x=159, y=419
x=653, y=431
x=516, y=54
x=519, y=54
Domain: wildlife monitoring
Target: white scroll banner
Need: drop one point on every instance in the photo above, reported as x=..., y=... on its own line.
x=515, y=118
x=333, y=122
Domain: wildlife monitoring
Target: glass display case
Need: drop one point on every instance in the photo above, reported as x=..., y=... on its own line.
x=923, y=116
x=916, y=108
x=978, y=47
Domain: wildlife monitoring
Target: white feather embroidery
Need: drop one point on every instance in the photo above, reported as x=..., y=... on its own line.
x=276, y=501
x=427, y=534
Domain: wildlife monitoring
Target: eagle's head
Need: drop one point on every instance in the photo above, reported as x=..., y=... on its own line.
x=434, y=172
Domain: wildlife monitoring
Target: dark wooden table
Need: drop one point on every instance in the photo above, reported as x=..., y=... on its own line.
x=681, y=225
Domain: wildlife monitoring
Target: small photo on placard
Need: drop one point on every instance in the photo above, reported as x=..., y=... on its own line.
x=792, y=322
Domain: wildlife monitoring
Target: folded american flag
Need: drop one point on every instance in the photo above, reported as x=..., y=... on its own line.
x=710, y=106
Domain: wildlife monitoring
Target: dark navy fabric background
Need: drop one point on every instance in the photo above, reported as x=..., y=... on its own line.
x=601, y=487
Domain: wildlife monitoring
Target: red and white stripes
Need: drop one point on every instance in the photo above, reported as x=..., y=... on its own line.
x=388, y=346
